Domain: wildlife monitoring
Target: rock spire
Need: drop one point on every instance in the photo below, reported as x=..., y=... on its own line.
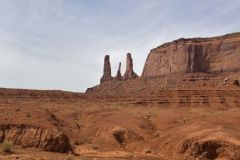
x=129, y=74
x=119, y=75
x=107, y=75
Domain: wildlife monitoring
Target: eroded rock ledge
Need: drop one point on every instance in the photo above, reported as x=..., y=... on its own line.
x=28, y=136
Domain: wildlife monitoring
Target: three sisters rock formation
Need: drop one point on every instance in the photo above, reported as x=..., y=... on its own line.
x=107, y=73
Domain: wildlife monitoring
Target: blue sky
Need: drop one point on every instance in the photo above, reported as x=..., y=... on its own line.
x=60, y=44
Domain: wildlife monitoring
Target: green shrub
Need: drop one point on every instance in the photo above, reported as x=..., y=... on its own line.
x=6, y=146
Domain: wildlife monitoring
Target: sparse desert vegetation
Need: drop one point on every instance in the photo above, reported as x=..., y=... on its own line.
x=6, y=147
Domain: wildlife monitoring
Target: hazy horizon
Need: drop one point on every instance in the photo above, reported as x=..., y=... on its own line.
x=61, y=44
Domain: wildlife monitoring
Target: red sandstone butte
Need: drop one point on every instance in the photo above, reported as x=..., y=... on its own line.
x=217, y=54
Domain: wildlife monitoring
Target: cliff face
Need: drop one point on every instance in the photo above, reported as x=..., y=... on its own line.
x=216, y=54
x=30, y=136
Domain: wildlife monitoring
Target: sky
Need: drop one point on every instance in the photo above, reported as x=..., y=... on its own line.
x=61, y=44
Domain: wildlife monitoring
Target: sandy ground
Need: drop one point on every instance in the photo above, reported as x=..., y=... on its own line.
x=175, y=126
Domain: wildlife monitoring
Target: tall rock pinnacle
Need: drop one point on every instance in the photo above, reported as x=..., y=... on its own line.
x=129, y=74
x=107, y=75
x=119, y=75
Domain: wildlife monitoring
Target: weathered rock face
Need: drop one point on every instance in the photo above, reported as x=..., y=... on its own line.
x=236, y=82
x=30, y=136
x=216, y=54
x=119, y=75
x=107, y=75
x=129, y=74
x=206, y=147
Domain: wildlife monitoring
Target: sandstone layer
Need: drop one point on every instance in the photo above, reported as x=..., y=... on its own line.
x=31, y=136
x=217, y=54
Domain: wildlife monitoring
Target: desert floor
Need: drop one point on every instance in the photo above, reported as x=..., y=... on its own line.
x=178, y=126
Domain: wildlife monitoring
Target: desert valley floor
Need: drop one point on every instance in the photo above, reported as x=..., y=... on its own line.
x=189, y=123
